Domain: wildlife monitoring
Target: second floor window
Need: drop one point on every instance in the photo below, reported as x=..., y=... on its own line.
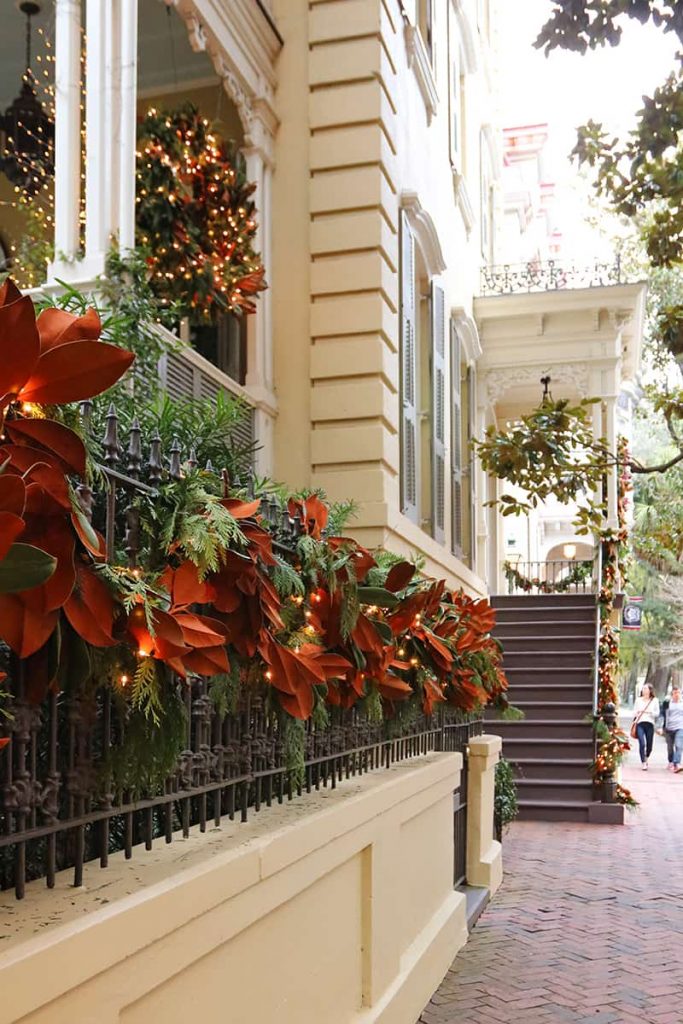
x=425, y=23
x=422, y=392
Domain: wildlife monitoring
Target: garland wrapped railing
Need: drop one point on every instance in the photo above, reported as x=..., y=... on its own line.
x=176, y=647
x=555, y=576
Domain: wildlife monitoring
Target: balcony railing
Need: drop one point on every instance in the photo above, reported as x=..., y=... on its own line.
x=551, y=275
x=557, y=576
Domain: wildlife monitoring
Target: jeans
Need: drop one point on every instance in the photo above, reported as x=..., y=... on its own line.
x=677, y=746
x=670, y=737
x=645, y=732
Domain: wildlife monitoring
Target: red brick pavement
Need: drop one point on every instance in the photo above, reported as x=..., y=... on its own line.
x=587, y=926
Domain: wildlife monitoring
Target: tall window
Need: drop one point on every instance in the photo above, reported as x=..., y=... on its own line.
x=486, y=200
x=462, y=467
x=425, y=23
x=456, y=100
x=422, y=392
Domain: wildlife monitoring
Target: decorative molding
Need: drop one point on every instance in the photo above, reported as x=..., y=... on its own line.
x=468, y=332
x=620, y=318
x=243, y=48
x=493, y=146
x=418, y=60
x=498, y=382
x=426, y=235
x=463, y=201
x=468, y=37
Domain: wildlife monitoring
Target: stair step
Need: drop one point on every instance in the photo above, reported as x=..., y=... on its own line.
x=550, y=728
x=541, y=810
x=554, y=627
x=543, y=600
x=542, y=768
x=560, y=660
x=546, y=642
x=579, y=613
x=544, y=710
x=549, y=693
x=518, y=748
x=555, y=790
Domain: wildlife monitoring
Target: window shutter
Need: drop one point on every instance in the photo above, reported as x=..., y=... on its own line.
x=408, y=383
x=438, y=415
x=471, y=428
x=456, y=444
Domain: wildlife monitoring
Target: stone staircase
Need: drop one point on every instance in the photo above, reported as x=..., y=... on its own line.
x=549, y=650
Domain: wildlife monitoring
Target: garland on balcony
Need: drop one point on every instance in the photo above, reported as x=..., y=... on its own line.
x=209, y=595
x=195, y=215
x=612, y=744
x=578, y=573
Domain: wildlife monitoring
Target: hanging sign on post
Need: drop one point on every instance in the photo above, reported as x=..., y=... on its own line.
x=632, y=614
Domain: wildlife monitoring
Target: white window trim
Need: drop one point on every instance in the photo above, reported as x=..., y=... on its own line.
x=468, y=37
x=469, y=335
x=425, y=233
x=463, y=200
x=418, y=60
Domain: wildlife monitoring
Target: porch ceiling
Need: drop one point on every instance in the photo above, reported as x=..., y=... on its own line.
x=588, y=340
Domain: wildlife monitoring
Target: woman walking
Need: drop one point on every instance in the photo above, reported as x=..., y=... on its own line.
x=645, y=714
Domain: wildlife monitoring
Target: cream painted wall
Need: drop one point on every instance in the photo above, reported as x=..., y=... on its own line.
x=336, y=908
x=355, y=135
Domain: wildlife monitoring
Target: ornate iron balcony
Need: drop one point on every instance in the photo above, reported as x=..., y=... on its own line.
x=551, y=275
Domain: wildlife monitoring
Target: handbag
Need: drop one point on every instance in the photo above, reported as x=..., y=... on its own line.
x=634, y=723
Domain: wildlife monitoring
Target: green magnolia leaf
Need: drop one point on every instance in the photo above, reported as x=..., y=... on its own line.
x=377, y=595
x=24, y=567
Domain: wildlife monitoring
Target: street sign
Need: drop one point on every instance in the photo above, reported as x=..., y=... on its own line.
x=632, y=613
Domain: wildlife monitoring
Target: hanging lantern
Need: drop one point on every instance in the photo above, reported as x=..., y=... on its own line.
x=26, y=131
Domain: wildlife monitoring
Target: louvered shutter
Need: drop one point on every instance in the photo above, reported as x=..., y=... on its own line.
x=471, y=427
x=409, y=383
x=456, y=443
x=438, y=415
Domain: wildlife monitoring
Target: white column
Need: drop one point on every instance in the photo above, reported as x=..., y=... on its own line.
x=67, y=134
x=259, y=378
x=99, y=39
x=128, y=120
x=611, y=417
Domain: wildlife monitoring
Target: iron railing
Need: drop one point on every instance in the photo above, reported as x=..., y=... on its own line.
x=456, y=736
x=561, y=575
x=550, y=275
x=60, y=802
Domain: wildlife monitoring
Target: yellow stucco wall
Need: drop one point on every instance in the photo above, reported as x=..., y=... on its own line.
x=354, y=135
x=335, y=908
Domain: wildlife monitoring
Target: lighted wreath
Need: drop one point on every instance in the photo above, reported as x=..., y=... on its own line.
x=195, y=215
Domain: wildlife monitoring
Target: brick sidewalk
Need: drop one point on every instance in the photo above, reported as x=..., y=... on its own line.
x=586, y=925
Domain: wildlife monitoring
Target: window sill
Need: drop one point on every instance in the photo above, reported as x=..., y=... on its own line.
x=418, y=60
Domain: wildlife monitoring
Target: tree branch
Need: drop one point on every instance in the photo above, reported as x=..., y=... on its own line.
x=637, y=467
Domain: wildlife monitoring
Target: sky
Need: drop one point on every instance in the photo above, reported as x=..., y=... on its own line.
x=566, y=89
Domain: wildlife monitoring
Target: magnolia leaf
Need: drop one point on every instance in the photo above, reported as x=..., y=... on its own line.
x=377, y=595
x=24, y=567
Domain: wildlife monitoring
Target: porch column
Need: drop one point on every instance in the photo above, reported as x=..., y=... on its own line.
x=128, y=121
x=259, y=378
x=99, y=143
x=612, y=495
x=67, y=136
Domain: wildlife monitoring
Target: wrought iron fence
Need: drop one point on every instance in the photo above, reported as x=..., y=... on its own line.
x=60, y=803
x=456, y=736
x=550, y=275
x=556, y=576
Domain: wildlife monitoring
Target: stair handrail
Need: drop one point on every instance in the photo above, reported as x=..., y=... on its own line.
x=598, y=624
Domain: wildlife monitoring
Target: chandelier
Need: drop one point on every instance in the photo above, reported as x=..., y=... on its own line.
x=26, y=131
